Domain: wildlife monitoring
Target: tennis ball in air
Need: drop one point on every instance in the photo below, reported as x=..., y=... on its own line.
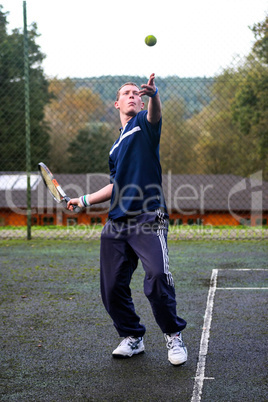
x=150, y=40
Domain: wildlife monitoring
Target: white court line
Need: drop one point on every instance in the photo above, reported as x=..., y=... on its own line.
x=242, y=288
x=201, y=365
x=243, y=269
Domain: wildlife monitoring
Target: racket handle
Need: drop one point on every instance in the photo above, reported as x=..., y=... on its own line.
x=75, y=207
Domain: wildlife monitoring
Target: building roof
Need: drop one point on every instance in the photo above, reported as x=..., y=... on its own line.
x=220, y=192
x=197, y=193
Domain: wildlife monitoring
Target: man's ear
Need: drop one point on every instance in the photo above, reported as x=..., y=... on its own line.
x=142, y=105
x=116, y=105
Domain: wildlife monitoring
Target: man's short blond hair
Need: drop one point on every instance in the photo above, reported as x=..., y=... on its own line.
x=126, y=83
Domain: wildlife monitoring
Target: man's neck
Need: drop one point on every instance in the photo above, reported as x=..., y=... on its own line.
x=125, y=119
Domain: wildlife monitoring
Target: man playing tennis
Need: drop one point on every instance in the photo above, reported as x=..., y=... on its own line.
x=137, y=226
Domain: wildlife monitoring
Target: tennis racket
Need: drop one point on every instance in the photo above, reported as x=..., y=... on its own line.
x=53, y=186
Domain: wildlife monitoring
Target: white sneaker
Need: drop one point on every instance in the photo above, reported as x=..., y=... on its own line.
x=129, y=346
x=177, y=352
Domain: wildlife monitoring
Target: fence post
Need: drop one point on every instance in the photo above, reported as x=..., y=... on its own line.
x=27, y=120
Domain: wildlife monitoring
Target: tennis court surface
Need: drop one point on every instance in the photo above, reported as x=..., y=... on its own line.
x=56, y=338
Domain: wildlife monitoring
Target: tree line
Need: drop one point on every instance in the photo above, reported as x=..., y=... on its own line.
x=210, y=125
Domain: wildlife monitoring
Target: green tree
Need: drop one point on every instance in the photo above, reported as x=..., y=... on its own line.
x=260, y=47
x=250, y=106
x=177, y=142
x=222, y=147
x=12, y=109
x=69, y=111
x=233, y=128
x=89, y=152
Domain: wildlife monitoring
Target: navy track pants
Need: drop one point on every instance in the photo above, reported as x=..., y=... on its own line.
x=122, y=244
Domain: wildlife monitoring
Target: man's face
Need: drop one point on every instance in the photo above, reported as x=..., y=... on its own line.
x=129, y=102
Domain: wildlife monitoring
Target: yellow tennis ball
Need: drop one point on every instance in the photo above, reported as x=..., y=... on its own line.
x=150, y=40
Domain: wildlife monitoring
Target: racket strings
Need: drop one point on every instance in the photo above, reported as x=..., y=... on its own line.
x=51, y=186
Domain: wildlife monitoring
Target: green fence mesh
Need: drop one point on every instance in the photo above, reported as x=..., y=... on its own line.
x=213, y=148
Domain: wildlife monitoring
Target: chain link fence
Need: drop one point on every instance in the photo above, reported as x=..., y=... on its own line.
x=213, y=147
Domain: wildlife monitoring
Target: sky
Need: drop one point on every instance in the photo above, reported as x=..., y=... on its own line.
x=87, y=38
